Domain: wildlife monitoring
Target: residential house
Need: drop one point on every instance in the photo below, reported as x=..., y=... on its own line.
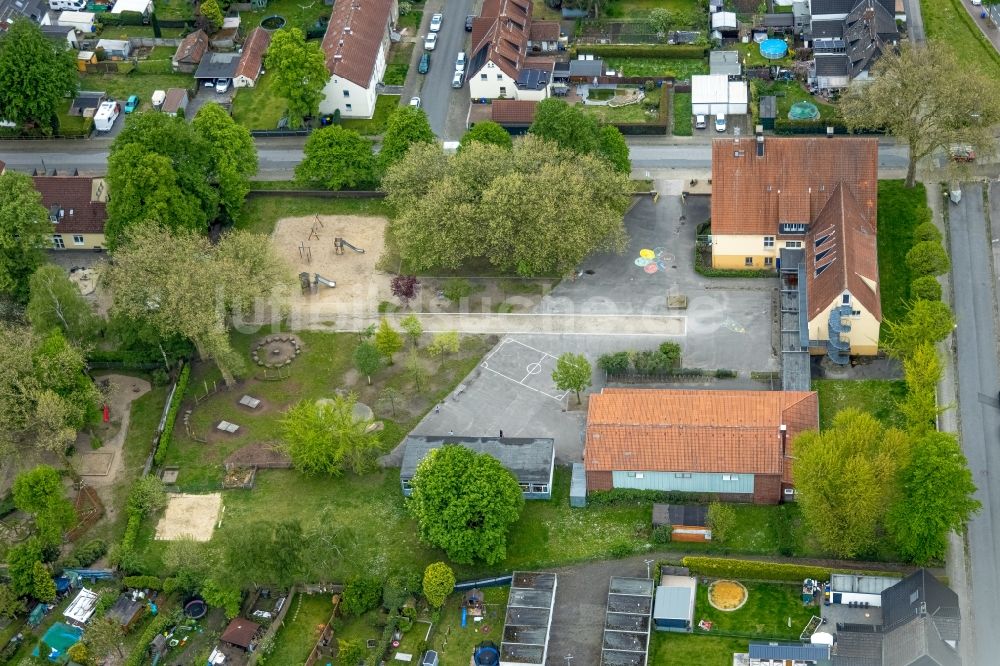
x=716, y=93
x=514, y=115
x=356, y=45
x=735, y=445
x=849, y=37
x=530, y=460
x=806, y=206
x=252, y=58
x=216, y=66
x=499, y=65
x=115, y=49
x=189, y=54
x=543, y=36
x=144, y=7
x=77, y=208
x=175, y=101
x=920, y=625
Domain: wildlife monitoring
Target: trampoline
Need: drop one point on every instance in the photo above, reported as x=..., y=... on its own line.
x=195, y=609
x=803, y=111
x=60, y=637
x=772, y=49
x=486, y=654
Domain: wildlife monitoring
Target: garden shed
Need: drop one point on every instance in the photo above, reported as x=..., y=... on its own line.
x=673, y=608
x=127, y=611
x=768, y=111
x=241, y=632
x=578, y=487
x=725, y=62
x=688, y=522
x=82, y=607
x=531, y=461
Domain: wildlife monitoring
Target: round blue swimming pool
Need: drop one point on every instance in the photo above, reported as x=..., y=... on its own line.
x=773, y=48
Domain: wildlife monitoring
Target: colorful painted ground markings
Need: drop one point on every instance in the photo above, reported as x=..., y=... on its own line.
x=653, y=261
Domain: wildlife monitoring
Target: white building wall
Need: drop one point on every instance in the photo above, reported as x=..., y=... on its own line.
x=533, y=95
x=359, y=102
x=495, y=84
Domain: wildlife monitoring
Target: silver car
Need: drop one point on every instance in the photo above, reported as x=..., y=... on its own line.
x=460, y=62
x=458, y=80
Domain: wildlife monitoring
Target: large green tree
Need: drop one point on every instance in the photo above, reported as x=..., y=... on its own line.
x=55, y=302
x=233, y=156
x=484, y=204
x=40, y=493
x=439, y=582
x=10, y=604
x=925, y=321
x=928, y=100
x=337, y=159
x=194, y=289
x=21, y=560
x=572, y=373
x=936, y=499
x=575, y=130
x=406, y=126
x=326, y=437
x=845, y=480
x=465, y=503
x=299, y=71
x=161, y=170
x=104, y=638
x=24, y=233
x=487, y=132
x=36, y=75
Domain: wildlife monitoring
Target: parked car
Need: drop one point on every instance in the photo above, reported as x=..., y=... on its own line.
x=458, y=80
x=720, y=122
x=962, y=152
x=436, y=21
x=976, y=3
x=221, y=86
x=415, y=102
x=468, y=22
x=430, y=41
x=700, y=122
x=132, y=103
x=425, y=63
x=460, y=62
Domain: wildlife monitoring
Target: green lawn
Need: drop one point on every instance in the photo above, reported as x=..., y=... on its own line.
x=297, y=14
x=120, y=86
x=632, y=8
x=646, y=111
x=764, y=615
x=900, y=210
x=126, y=31
x=791, y=92
x=73, y=124
x=455, y=644
x=175, y=10
x=259, y=215
x=679, y=68
x=682, y=114
x=878, y=397
x=948, y=22
x=399, y=64
x=411, y=20
x=384, y=106
x=259, y=108
x=670, y=649
x=295, y=639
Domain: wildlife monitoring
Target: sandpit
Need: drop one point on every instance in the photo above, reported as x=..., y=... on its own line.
x=727, y=595
x=192, y=516
x=360, y=286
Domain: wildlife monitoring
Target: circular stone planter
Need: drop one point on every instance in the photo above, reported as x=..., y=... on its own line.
x=727, y=595
x=276, y=351
x=272, y=23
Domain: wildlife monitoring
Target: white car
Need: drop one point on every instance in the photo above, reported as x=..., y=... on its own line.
x=430, y=41
x=221, y=86
x=436, y=21
x=720, y=122
x=415, y=102
x=458, y=80
x=976, y=3
x=700, y=122
x=460, y=62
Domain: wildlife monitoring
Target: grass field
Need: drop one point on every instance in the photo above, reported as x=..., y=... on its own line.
x=790, y=92
x=259, y=215
x=126, y=31
x=297, y=14
x=455, y=644
x=120, y=86
x=764, y=615
x=384, y=106
x=679, y=68
x=295, y=640
x=259, y=108
x=669, y=649
x=632, y=8
x=682, y=114
x=947, y=21
x=646, y=111
x=878, y=397
x=175, y=10
x=900, y=210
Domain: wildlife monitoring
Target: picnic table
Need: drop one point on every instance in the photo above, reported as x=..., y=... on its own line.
x=226, y=426
x=249, y=401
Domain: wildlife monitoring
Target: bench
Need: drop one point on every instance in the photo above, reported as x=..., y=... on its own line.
x=226, y=426
x=248, y=401
x=458, y=391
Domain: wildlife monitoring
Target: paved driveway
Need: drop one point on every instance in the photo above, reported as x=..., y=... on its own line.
x=445, y=106
x=206, y=95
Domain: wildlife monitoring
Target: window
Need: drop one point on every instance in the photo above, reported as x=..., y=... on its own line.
x=748, y=261
x=347, y=93
x=347, y=107
x=77, y=239
x=525, y=488
x=845, y=299
x=503, y=91
x=793, y=244
x=407, y=485
x=483, y=77
x=730, y=477
x=792, y=228
x=539, y=488
x=789, y=491
x=821, y=255
x=636, y=475
x=769, y=261
x=682, y=475
x=822, y=239
x=914, y=596
x=819, y=271
x=855, y=313
x=57, y=242
x=499, y=77
x=768, y=241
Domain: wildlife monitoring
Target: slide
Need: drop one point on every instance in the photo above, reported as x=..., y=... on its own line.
x=356, y=249
x=322, y=280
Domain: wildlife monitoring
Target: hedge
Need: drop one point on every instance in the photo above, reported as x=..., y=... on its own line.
x=138, y=655
x=175, y=406
x=680, y=51
x=718, y=567
x=635, y=496
x=383, y=645
x=86, y=554
x=143, y=582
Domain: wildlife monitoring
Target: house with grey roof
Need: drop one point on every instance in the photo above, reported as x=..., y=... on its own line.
x=849, y=36
x=530, y=460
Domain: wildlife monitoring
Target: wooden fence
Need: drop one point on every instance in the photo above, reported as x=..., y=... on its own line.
x=326, y=636
x=276, y=624
x=89, y=509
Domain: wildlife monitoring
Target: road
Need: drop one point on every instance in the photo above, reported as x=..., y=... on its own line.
x=978, y=382
x=435, y=90
x=278, y=157
x=915, y=22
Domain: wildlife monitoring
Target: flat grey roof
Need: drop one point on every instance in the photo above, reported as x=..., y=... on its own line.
x=626, y=622
x=861, y=584
x=593, y=67
x=641, y=586
x=529, y=617
x=672, y=603
x=218, y=66
x=528, y=459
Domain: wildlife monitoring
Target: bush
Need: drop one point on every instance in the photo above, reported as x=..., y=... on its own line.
x=925, y=288
x=722, y=520
x=683, y=51
x=456, y=289
x=662, y=534
x=785, y=126
x=671, y=352
x=147, y=496
x=926, y=231
x=636, y=497
x=86, y=554
x=138, y=655
x=615, y=363
x=361, y=594
x=175, y=406
x=927, y=258
x=725, y=374
x=621, y=549
x=143, y=582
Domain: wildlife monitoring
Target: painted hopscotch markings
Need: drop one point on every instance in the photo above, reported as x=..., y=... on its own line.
x=513, y=358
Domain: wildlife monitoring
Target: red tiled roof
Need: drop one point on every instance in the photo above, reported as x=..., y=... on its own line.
x=354, y=37
x=847, y=256
x=192, y=48
x=544, y=31
x=253, y=53
x=73, y=195
x=173, y=99
x=513, y=111
x=502, y=30
x=694, y=430
x=791, y=182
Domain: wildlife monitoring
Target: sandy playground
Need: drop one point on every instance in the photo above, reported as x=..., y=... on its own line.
x=192, y=516
x=360, y=286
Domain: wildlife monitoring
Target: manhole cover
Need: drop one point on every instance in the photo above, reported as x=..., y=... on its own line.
x=589, y=271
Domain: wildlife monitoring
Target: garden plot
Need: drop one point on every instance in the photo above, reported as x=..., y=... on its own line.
x=190, y=516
